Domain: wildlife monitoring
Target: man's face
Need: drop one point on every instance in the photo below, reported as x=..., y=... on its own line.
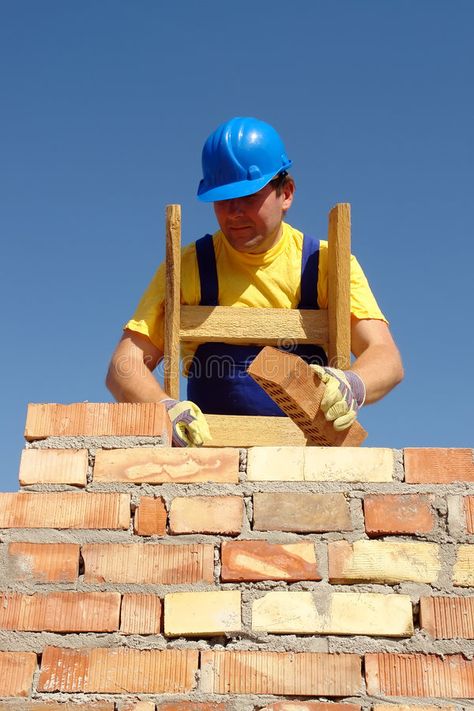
x=253, y=223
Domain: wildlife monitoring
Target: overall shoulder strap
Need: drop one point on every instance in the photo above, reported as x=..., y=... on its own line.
x=206, y=259
x=309, y=273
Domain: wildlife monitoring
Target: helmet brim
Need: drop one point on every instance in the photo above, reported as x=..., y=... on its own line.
x=237, y=190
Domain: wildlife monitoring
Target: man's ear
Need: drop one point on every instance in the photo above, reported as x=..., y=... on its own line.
x=288, y=192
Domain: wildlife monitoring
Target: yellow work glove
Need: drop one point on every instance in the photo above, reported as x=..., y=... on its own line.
x=343, y=396
x=190, y=428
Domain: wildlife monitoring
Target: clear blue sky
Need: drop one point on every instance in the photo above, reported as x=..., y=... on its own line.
x=104, y=106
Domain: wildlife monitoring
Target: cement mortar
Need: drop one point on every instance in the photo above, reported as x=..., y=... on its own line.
x=99, y=442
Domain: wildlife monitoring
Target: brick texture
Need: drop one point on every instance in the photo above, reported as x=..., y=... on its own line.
x=438, y=466
x=16, y=673
x=60, y=612
x=383, y=562
x=153, y=563
x=387, y=514
x=140, y=614
x=150, y=517
x=336, y=613
x=207, y=514
x=407, y=707
x=447, y=617
x=159, y=465
x=302, y=513
x=138, y=706
x=463, y=570
x=43, y=562
x=292, y=384
x=427, y=675
x=54, y=466
x=469, y=508
x=309, y=706
x=191, y=614
x=114, y=670
x=64, y=510
x=276, y=463
x=348, y=464
x=259, y=560
x=96, y=419
x=295, y=673
x=192, y=706
x=57, y=706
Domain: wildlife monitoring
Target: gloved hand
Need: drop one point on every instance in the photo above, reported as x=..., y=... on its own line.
x=344, y=395
x=190, y=428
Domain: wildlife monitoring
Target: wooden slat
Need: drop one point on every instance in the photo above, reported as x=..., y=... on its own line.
x=339, y=256
x=238, y=431
x=262, y=326
x=172, y=299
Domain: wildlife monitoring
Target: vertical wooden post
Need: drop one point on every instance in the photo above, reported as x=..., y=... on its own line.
x=339, y=296
x=172, y=299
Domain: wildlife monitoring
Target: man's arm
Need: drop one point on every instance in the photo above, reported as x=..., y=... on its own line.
x=378, y=360
x=130, y=377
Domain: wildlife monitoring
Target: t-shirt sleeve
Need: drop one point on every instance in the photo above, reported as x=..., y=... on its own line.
x=363, y=302
x=148, y=318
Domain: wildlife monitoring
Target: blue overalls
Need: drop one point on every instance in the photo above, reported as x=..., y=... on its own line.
x=218, y=381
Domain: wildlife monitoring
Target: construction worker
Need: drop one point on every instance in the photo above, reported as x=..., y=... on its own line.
x=254, y=260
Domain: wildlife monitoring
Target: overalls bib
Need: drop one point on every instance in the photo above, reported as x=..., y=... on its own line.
x=217, y=380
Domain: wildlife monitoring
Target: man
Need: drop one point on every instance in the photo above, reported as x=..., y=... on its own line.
x=254, y=260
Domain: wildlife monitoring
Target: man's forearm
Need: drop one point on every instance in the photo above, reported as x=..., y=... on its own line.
x=380, y=367
x=133, y=382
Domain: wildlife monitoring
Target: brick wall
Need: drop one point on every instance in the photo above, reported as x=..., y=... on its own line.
x=136, y=576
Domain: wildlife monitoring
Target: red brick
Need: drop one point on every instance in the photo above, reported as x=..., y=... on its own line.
x=259, y=560
x=60, y=612
x=302, y=513
x=291, y=383
x=43, y=562
x=192, y=706
x=309, y=706
x=438, y=466
x=207, y=514
x=447, y=617
x=295, y=673
x=115, y=670
x=64, y=510
x=148, y=563
x=159, y=465
x=16, y=673
x=54, y=466
x=428, y=675
x=97, y=419
x=469, y=507
x=387, y=514
x=150, y=517
x=140, y=614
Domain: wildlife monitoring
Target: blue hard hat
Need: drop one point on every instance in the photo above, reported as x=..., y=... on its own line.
x=239, y=158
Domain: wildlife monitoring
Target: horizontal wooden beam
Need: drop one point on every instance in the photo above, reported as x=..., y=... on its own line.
x=229, y=324
x=253, y=431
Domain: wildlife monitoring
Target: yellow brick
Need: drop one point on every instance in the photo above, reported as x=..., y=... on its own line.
x=202, y=613
x=348, y=464
x=333, y=613
x=275, y=464
x=383, y=562
x=463, y=571
x=54, y=466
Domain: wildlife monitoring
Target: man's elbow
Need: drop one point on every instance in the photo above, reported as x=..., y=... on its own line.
x=112, y=380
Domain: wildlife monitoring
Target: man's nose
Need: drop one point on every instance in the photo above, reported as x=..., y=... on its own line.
x=234, y=206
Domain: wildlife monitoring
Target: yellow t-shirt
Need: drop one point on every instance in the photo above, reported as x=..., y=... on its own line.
x=267, y=280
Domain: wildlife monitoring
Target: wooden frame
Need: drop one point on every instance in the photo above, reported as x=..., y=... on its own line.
x=331, y=328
